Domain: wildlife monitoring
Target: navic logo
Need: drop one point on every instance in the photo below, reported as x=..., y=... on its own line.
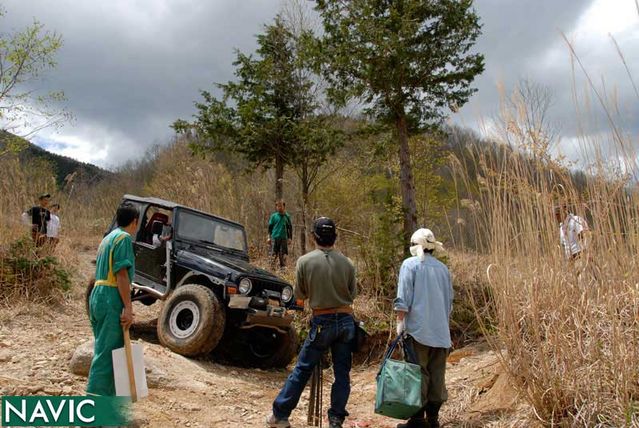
x=64, y=411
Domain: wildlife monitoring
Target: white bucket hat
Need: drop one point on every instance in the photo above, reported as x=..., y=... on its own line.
x=424, y=239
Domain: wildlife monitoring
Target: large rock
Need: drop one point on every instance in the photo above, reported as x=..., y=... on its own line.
x=83, y=355
x=81, y=359
x=155, y=376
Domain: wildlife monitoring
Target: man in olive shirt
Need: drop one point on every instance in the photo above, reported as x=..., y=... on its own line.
x=326, y=278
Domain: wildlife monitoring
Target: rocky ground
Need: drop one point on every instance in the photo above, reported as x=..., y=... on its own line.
x=37, y=347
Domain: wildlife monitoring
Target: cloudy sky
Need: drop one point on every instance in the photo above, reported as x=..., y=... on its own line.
x=130, y=68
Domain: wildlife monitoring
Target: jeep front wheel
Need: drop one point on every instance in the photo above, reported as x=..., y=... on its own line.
x=191, y=321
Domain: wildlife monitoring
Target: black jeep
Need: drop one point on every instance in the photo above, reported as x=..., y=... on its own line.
x=214, y=300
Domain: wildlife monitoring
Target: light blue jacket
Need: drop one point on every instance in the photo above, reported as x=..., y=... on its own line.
x=425, y=293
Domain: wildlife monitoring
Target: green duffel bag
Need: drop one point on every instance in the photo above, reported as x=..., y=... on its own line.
x=399, y=387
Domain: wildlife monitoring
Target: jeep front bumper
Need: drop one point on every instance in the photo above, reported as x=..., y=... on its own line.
x=270, y=315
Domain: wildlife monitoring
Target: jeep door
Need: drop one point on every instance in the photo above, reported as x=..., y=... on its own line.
x=152, y=248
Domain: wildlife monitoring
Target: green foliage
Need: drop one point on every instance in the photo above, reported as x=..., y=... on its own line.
x=24, y=57
x=403, y=57
x=384, y=252
x=435, y=195
x=31, y=273
x=409, y=61
x=268, y=114
x=11, y=144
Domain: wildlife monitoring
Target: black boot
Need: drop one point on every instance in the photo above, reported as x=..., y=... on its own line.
x=335, y=422
x=415, y=421
x=432, y=414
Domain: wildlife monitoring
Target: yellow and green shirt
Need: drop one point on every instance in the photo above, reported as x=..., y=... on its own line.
x=114, y=254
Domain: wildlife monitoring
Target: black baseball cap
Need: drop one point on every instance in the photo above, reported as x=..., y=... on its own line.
x=324, y=227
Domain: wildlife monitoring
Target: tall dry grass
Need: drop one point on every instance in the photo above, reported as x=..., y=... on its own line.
x=20, y=186
x=27, y=273
x=567, y=330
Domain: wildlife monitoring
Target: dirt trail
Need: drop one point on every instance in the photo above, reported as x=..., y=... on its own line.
x=36, y=345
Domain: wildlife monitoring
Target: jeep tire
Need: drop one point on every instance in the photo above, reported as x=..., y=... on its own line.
x=283, y=349
x=191, y=322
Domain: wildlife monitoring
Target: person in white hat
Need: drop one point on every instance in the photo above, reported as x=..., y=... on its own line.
x=423, y=306
x=572, y=232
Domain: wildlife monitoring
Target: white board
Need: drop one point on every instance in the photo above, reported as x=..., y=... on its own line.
x=121, y=373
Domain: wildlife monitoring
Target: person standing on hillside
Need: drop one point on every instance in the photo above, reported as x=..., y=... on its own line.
x=280, y=233
x=423, y=306
x=572, y=231
x=53, y=226
x=40, y=216
x=110, y=308
x=326, y=278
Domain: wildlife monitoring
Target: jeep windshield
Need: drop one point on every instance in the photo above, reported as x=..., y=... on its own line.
x=199, y=228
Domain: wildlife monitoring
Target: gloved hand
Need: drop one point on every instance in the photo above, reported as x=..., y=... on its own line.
x=401, y=326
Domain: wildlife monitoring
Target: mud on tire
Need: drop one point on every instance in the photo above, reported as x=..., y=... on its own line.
x=191, y=322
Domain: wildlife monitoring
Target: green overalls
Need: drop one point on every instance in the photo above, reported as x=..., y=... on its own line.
x=105, y=307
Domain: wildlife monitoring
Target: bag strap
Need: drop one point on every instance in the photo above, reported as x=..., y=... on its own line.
x=391, y=348
x=389, y=352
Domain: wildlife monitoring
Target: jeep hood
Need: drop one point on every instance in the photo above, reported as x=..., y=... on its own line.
x=219, y=265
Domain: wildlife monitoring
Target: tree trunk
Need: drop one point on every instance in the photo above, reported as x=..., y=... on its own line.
x=279, y=177
x=406, y=180
x=305, y=187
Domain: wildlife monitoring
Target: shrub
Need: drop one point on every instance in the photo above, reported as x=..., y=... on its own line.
x=30, y=273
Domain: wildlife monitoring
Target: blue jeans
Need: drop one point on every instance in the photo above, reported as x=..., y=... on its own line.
x=337, y=333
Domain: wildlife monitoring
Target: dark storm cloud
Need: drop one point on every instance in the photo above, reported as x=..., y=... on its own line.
x=130, y=68
x=523, y=40
x=515, y=35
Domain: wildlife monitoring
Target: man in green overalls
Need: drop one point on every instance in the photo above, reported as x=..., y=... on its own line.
x=110, y=307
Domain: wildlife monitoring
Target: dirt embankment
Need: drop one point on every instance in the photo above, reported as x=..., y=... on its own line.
x=36, y=345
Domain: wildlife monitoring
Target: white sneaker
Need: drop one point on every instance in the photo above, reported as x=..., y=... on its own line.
x=273, y=422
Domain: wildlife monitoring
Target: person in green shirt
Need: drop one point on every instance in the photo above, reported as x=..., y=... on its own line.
x=280, y=233
x=110, y=308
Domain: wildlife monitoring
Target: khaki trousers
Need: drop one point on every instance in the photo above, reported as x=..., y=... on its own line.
x=433, y=364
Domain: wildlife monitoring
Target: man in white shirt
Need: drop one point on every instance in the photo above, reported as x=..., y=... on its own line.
x=53, y=226
x=572, y=229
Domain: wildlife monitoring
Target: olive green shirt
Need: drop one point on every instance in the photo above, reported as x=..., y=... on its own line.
x=326, y=278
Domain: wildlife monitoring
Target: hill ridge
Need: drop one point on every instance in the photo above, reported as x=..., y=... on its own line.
x=63, y=165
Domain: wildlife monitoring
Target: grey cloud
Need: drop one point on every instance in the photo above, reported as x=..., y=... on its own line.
x=522, y=39
x=130, y=68
x=514, y=33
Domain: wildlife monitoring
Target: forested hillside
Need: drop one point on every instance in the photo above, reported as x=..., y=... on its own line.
x=62, y=165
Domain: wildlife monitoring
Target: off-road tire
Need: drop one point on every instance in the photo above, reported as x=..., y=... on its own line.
x=287, y=345
x=287, y=351
x=191, y=322
x=235, y=349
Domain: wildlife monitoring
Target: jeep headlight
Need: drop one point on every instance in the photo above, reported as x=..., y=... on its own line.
x=245, y=286
x=287, y=294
